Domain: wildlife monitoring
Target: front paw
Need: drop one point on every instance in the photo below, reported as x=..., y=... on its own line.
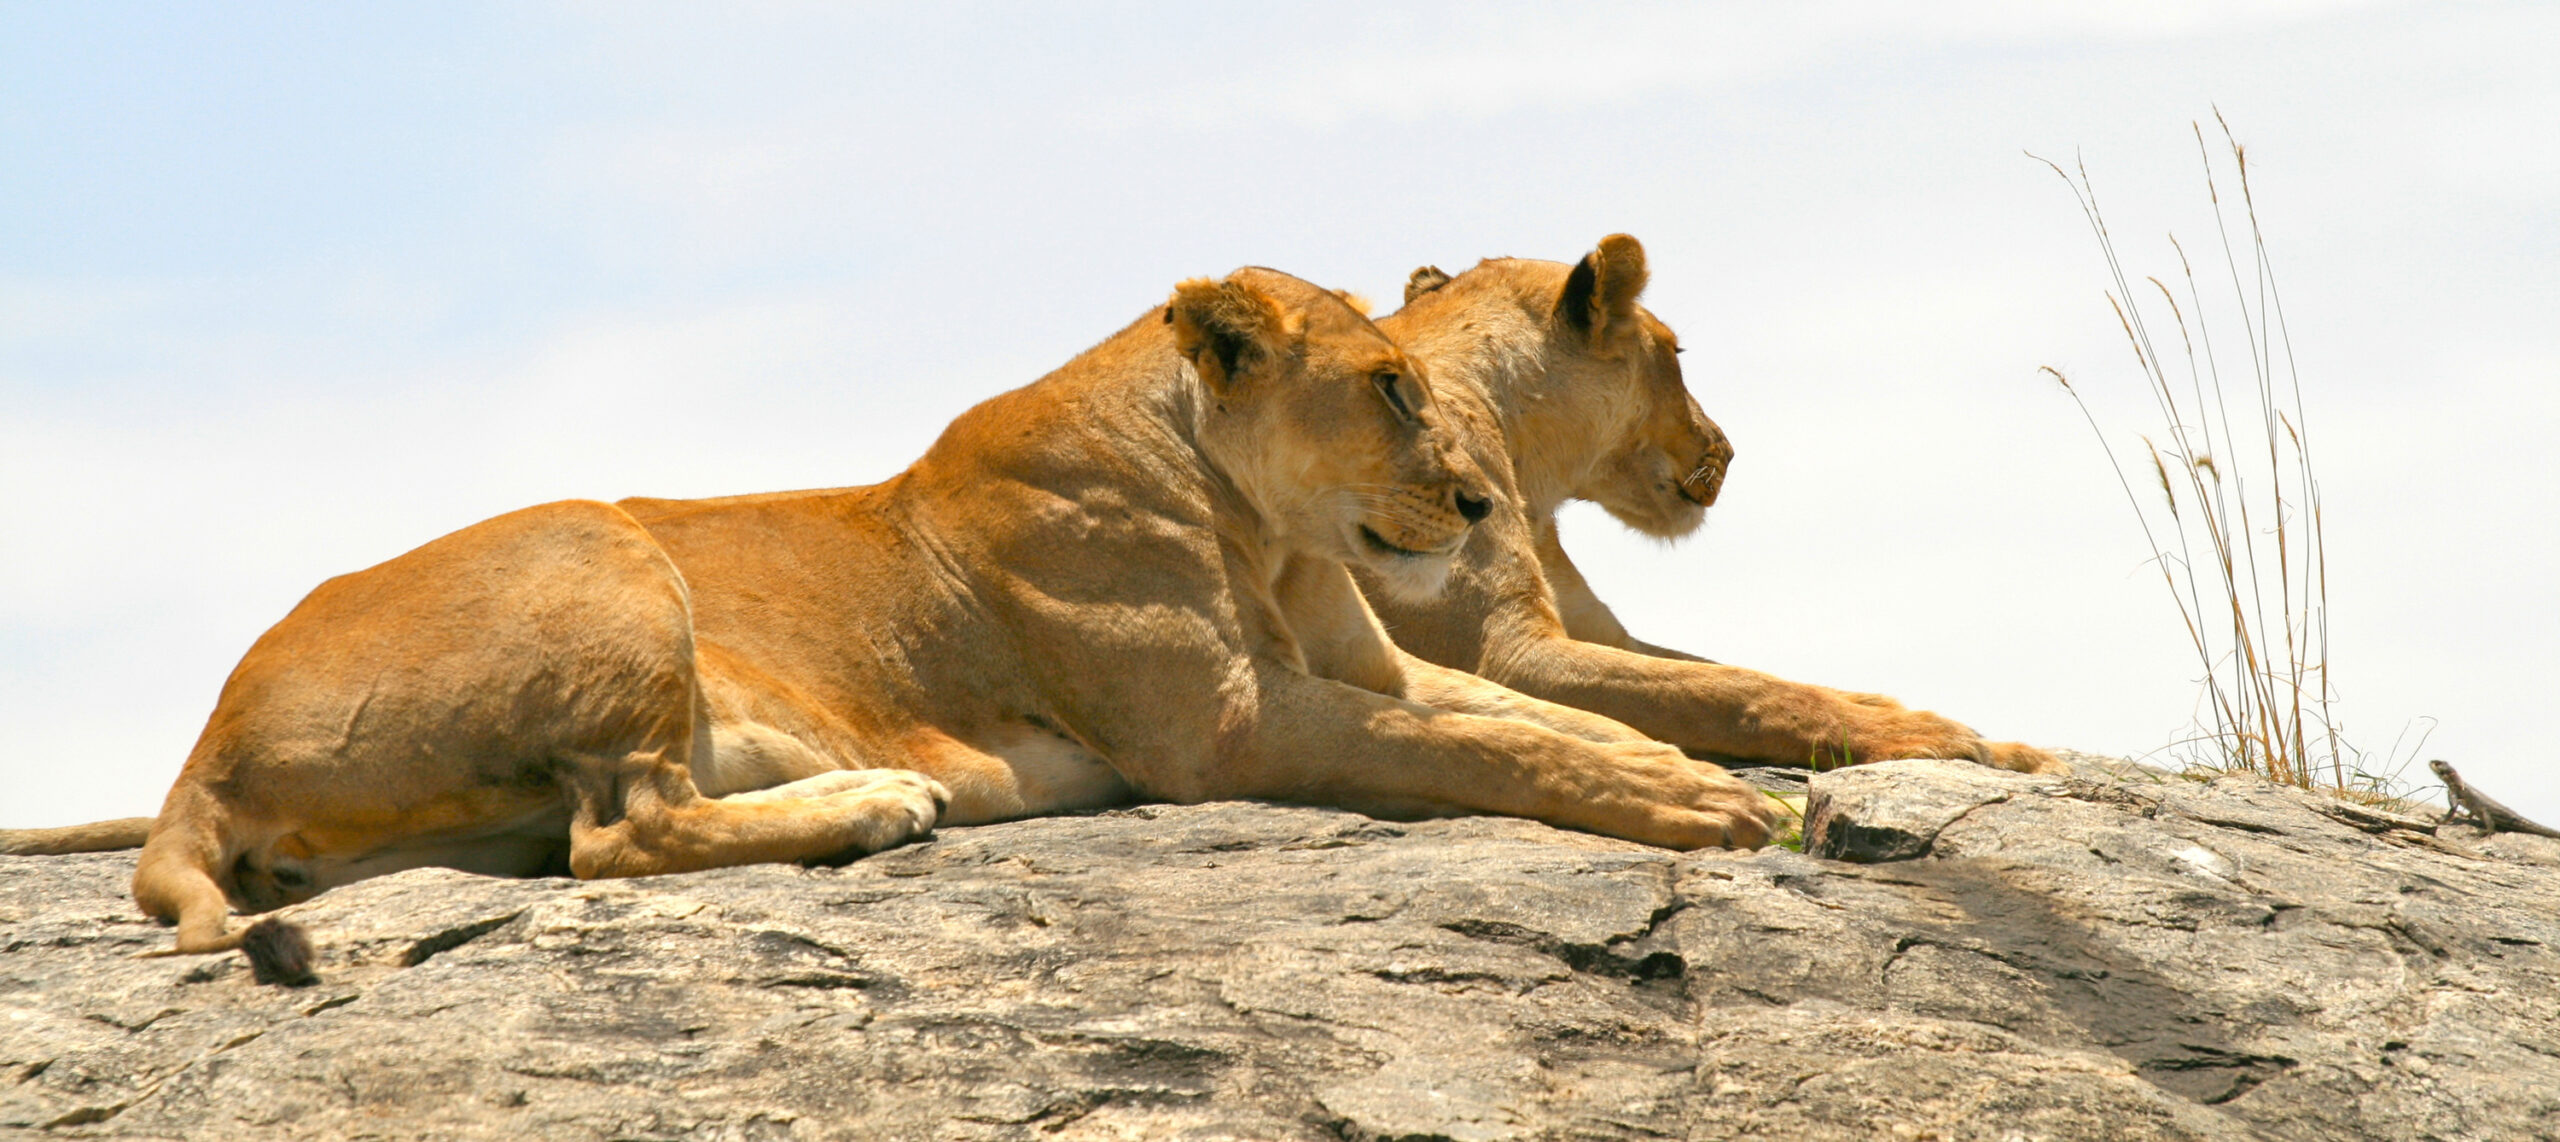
x=1870, y=701
x=2021, y=757
x=1693, y=806
x=1923, y=734
x=1871, y=735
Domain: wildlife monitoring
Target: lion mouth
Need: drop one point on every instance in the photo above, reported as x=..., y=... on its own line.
x=1404, y=572
x=1379, y=544
x=1701, y=484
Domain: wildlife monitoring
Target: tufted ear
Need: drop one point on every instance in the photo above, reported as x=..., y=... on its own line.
x=1224, y=326
x=1423, y=281
x=1600, y=294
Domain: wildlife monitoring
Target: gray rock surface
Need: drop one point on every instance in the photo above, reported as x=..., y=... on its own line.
x=2115, y=954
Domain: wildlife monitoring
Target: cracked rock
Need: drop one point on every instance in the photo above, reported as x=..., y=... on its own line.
x=2114, y=954
x=1894, y=810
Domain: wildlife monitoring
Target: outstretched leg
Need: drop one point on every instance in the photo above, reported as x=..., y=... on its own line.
x=1315, y=740
x=1458, y=692
x=1710, y=708
x=1730, y=712
x=640, y=815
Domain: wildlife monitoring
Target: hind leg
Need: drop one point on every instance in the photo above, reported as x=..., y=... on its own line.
x=869, y=782
x=640, y=815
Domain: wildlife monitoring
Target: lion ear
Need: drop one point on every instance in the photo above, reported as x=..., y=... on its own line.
x=1600, y=294
x=1423, y=281
x=1223, y=327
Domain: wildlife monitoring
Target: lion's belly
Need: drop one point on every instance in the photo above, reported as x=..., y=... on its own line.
x=493, y=832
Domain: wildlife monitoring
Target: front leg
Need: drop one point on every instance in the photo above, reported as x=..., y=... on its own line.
x=1708, y=708
x=1343, y=640
x=1317, y=741
x=1727, y=711
x=1459, y=692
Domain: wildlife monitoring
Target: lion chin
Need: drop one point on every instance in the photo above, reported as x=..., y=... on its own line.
x=1664, y=521
x=1413, y=576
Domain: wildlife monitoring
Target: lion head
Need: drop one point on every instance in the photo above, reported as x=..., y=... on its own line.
x=1326, y=427
x=1591, y=385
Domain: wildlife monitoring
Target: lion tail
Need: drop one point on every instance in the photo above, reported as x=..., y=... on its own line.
x=185, y=863
x=94, y=837
x=181, y=880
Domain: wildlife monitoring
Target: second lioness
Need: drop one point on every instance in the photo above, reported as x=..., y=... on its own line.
x=1568, y=389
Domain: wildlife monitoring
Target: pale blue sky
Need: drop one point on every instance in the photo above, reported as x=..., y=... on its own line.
x=286, y=290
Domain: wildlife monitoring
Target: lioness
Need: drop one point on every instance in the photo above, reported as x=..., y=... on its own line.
x=1566, y=388
x=1128, y=578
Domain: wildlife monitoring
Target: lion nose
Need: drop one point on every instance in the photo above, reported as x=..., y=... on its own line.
x=1473, y=507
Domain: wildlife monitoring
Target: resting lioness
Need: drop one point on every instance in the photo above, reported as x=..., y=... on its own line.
x=1127, y=579
x=1566, y=388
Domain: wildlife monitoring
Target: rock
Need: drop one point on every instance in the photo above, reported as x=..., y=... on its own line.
x=2115, y=954
x=1894, y=810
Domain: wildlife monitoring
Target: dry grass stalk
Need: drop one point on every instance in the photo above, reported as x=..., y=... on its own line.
x=2242, y=548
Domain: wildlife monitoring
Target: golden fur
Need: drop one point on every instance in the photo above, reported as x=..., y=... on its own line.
x=1566, y=388
x=92, y=837
x=1127, y=579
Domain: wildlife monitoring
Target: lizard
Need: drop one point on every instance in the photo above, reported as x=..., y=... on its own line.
x=2491, y=816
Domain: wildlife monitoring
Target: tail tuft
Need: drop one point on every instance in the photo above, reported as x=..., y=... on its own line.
x=279, y=952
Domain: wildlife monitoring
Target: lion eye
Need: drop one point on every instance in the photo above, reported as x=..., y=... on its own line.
x=1394, y=392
